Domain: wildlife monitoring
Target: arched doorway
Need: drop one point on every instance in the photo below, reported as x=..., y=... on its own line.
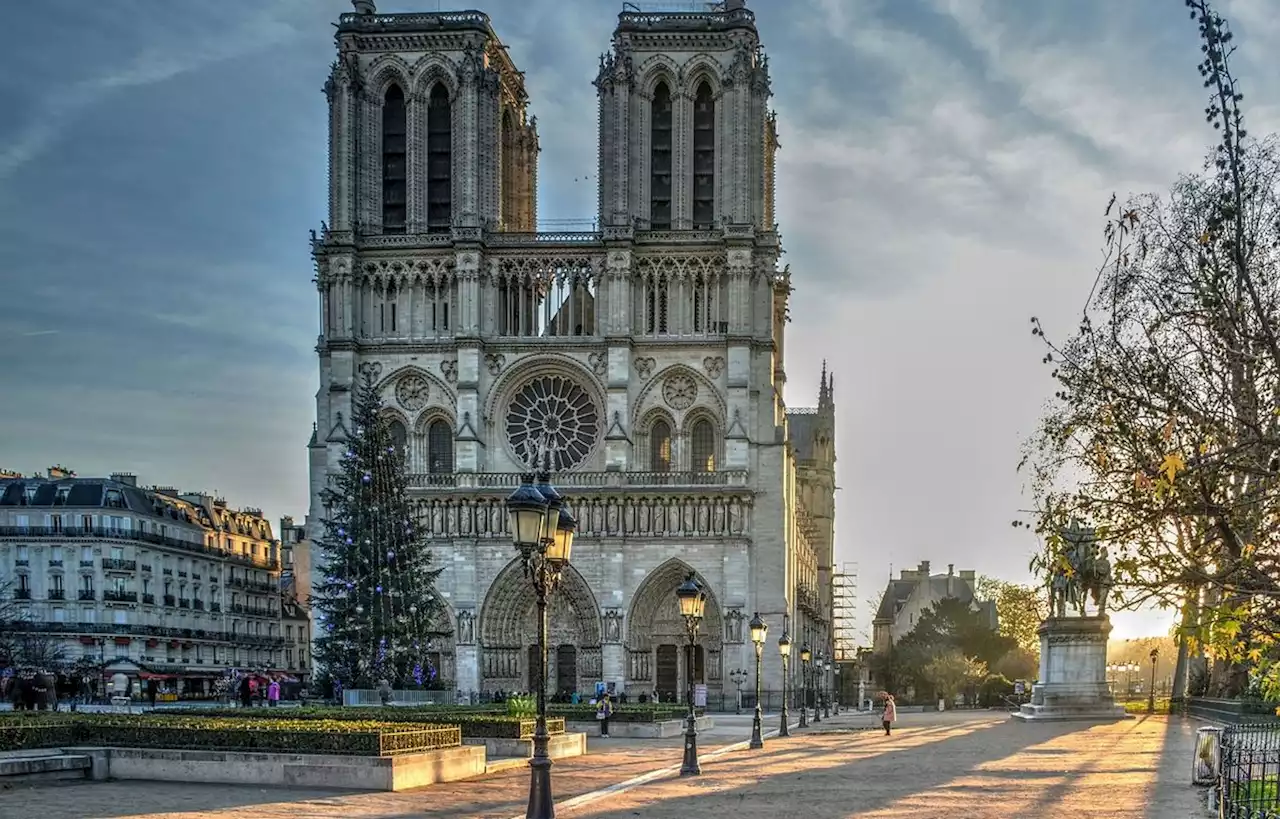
x=658, y=659
x=509, y=635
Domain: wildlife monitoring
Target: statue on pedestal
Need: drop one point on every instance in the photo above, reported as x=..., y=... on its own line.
x=1073, y=642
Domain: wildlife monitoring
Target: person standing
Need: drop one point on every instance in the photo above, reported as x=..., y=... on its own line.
x=604, y=710
x=890, y=713
x=273, y=693
x=246, y=692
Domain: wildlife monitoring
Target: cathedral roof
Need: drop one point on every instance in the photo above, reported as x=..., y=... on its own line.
x=800, y=425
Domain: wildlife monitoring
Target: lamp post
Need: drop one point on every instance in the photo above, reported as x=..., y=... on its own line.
x=826, y=687
x=817, y=688
x=542, y=531
x=805, y=657
x=837, y=689
x=739, y=676
x=1151, y=694
x=693, y=602
x=784, y=649
x=759, y=630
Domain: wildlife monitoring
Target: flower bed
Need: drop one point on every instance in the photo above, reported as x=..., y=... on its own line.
x=474, y=725
x=347, y=737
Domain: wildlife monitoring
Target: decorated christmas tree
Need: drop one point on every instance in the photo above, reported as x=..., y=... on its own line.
x=376, y=603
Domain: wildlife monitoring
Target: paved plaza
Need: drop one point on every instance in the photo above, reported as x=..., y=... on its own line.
x=962, y=764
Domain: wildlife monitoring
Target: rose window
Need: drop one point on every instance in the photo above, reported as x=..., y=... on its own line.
x=412, y=391
x=552, y=417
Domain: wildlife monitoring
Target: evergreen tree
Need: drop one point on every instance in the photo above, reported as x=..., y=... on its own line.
x=377, y=600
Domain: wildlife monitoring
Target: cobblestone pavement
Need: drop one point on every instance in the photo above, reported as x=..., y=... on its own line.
x=975, y=766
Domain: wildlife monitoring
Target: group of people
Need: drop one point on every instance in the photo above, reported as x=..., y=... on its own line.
x=253, y=689
x=30, y=689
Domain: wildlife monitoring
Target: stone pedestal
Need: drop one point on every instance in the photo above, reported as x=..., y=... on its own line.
x=1073, y=673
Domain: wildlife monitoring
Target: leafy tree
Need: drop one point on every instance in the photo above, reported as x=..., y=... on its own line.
x=377, y=598
x=1018, y=664
x=1164, y=432
x=952, y=624
x=951, y=672
x=1020, y=610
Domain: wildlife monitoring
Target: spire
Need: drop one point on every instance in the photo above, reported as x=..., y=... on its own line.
x=824, y=389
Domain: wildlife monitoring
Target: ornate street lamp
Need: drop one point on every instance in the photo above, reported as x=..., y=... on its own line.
x=693, y=602
x=837, y=690
x=784, y=649
x=739, y=676
x=805, y=657
x=759, y=629
x=542, y=530
x=826, y=687
x=817, y=688
x=1151, y=695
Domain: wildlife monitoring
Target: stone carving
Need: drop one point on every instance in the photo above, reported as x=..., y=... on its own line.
x=625, y=515
x=612, y=626
x=371, y=369
x=644, y=366
x=412, y=391
x=714, y=365
x=495, y=362
x=599, y=363
x=733, y=626
x=552, y=418
x=450, y=370
x=679, y=391
x=466, y=628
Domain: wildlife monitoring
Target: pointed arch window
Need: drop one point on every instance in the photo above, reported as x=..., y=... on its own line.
x=704, y=157
x=508, y=171
x=393, y=161
x=439, y=160
x=660, y=447
x=660, y=159
x=439, y=448
x=703, y=446
x=398, y=434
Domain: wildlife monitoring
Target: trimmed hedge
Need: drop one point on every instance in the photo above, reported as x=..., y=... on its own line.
x=624, y=713
x=347, y=737
x=474, y=725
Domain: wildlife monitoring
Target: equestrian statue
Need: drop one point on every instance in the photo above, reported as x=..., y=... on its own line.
x=1079, y=571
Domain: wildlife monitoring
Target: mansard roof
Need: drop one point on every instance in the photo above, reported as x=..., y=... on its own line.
x=93, y=493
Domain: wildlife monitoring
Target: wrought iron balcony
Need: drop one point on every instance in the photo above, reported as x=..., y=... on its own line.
x=88, y=594
x=133, y=535
x=184, y=603
x=115, y=564
x=22, y=594
x=55, y=564
x=57, y=594
x=169, y=600
x=149, y=598
x=114, y=596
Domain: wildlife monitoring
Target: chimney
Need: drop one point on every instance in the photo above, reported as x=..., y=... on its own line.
x=924, y=568
x=126, y=478
x=60, y=471
x=951, y=580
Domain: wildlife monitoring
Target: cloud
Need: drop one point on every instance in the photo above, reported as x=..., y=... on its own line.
x=155, y=64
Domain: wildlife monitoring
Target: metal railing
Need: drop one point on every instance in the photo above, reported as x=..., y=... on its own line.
x=115, y=564
x=582, y=480
x=133, y=535
x=1249, y=772
x=149, y=632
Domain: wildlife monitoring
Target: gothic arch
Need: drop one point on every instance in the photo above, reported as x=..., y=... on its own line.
x=508, y=630
x=654, y=70
x=515, y=376
x=650, y=396
x=387, y=70
x=654, y=604
x=438, y=388
x=644, y=455
x=700, y=68
x=431, y=69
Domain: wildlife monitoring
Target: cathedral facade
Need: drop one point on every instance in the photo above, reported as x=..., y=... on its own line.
x=644, y=358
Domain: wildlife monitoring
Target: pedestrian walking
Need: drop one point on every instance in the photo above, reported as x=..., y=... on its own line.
x=890, y=715
x=604, y=710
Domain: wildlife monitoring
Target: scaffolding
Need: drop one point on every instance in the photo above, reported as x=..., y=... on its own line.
x=845, y=612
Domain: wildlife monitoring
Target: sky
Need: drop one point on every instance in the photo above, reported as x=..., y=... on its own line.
x=943, y=174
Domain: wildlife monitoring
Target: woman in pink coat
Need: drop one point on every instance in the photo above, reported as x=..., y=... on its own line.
x=890, y=713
